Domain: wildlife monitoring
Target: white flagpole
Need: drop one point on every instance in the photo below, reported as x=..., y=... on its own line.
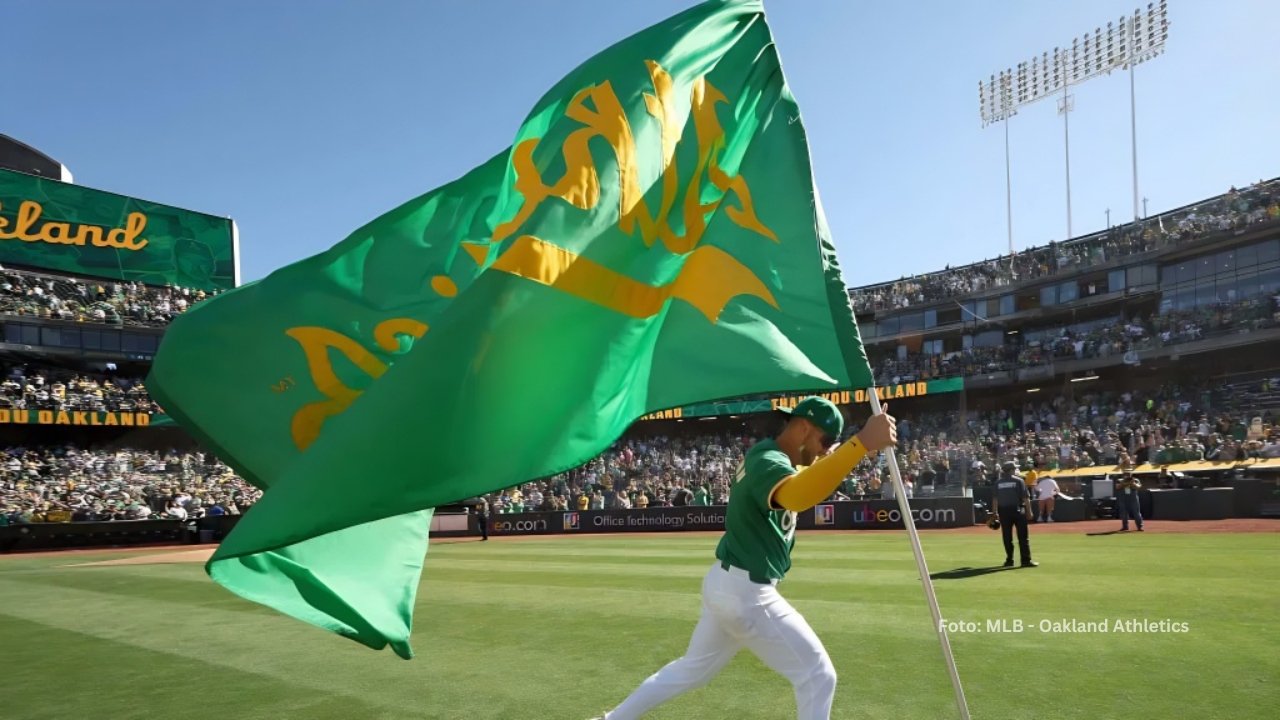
x=905, y=509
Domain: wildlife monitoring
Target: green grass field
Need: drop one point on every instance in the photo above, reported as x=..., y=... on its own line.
x=565, y=627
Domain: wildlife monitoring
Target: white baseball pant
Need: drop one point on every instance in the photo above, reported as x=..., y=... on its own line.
x=738, y=613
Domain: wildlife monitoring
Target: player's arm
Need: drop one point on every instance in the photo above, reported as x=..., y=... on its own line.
x=815, y=483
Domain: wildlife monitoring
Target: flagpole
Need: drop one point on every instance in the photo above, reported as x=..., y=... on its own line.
x=905, y=509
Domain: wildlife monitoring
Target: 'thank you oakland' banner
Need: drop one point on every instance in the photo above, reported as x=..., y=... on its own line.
x=81, y=231
x=858, y=396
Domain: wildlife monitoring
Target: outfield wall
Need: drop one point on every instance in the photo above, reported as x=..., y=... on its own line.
x=1243, y=498
x=206, y=530
x=1246, y=498
x=862, y=515
x=858, y=515
x=56, y=536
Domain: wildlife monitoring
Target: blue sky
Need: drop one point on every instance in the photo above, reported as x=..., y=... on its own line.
x=303, y=120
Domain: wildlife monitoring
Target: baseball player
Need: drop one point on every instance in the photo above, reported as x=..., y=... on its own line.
x=741, y=607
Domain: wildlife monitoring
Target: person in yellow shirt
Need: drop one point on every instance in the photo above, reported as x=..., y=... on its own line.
x=1031, y=475
x=584, y=501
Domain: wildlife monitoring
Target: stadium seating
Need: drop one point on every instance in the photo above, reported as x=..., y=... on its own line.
x=1218, y=418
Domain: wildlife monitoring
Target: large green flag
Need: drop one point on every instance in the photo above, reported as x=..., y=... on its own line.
x=652, y=238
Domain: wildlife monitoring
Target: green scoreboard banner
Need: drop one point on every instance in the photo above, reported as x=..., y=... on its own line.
x=81, y=231
x=839, y=397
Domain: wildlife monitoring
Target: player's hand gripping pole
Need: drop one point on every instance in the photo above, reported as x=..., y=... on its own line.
x=905, y=509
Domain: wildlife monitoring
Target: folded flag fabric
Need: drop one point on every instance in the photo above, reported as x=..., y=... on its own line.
x=652, y=238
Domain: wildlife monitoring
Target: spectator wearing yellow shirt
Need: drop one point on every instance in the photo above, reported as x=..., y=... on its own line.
x=584, y=501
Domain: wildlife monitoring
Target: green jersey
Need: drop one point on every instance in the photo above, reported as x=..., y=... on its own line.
x=700, y=497
x=758, y=537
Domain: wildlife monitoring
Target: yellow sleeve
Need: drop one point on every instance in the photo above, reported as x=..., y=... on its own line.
x=816, y=482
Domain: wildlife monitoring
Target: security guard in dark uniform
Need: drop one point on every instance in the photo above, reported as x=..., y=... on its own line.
x=1013, y=506
x=482, y=514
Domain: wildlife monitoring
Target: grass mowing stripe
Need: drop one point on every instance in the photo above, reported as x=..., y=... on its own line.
x=534, y=587
x=271, y=645
x=196, y=592
x=500, y=567
x=612, y=605
x=505, y=630
x=71, y=674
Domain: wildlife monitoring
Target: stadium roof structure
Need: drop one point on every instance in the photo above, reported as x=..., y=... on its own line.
x=19, y=156
x=1069, y=243
x=1199, y=466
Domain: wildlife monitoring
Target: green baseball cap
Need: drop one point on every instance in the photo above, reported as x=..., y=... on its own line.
x=821, y=412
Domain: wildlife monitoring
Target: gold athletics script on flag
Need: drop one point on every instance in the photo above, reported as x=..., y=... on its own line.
x=64, y=417
x=709, y=278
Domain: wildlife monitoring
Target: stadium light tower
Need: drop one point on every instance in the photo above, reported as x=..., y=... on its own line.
x=1132, y=40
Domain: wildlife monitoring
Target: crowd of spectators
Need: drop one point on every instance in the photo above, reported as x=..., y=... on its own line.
x=48, y=388
x=69, y=484
x=1097, y=340
x=1236, y=209
x=637, y=473
x=29, y=293
x=1172, y=425
x=940, y=453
